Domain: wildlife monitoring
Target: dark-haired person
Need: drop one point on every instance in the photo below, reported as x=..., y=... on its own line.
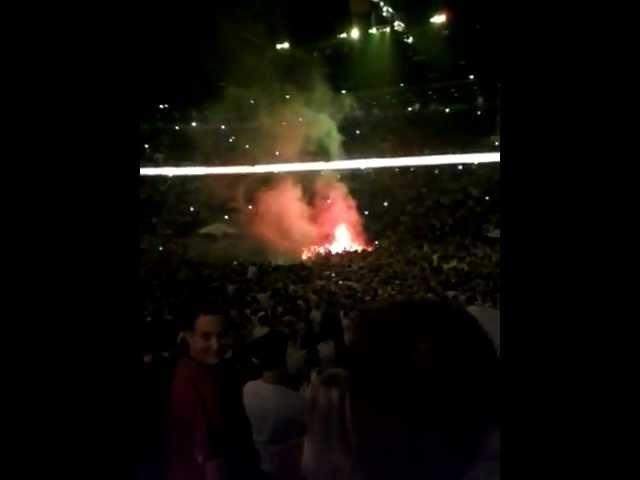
x=276, y=411
x=209, y=431
x=423, y=393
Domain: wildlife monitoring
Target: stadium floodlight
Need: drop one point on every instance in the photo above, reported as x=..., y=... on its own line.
x=439, y=18
x=414, y=161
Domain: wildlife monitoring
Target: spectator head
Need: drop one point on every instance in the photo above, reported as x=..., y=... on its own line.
x=270, y=351
x=207, y=335
x=424, y=373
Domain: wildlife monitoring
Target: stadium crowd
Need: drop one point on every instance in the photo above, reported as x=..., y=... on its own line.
x=290, y=336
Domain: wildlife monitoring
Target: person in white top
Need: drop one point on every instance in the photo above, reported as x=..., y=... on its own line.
x=276, y=412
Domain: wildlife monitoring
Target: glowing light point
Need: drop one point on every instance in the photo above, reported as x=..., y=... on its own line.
x=192, y=208
x=447, y=110
x=194, y=124
x=146, y=145
x=226, y=217
x=472, y=77
x=223, y=127
x=486, y=198
x=250, y=207
x=343, y=35
x=386, y=204
x=343, y=92
x=355, y=33
x=366, y=212
x=357, y=132
x=177, y=127
x=460, y=167
x=246, y=146
x=287, y=97
x=283, y=46
x=439, y=18
x=277, y=153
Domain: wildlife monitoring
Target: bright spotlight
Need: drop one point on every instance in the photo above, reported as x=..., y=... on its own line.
x=439, y=18
x=355, y=33
x=343, y=35
x=283, y=46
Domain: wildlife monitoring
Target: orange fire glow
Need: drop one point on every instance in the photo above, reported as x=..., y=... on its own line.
x=343, y=241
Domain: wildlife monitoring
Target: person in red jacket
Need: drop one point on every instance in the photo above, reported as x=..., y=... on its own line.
x=208, y=425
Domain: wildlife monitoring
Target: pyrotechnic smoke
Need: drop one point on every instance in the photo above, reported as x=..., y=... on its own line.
x=286, y=221
x=279, y=108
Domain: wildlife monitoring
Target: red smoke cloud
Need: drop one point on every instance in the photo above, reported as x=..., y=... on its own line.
x=287, y=222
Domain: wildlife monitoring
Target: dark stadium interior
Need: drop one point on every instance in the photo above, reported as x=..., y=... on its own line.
x=402, y=324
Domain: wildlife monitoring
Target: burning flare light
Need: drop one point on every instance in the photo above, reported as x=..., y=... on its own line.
x=342, y=242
